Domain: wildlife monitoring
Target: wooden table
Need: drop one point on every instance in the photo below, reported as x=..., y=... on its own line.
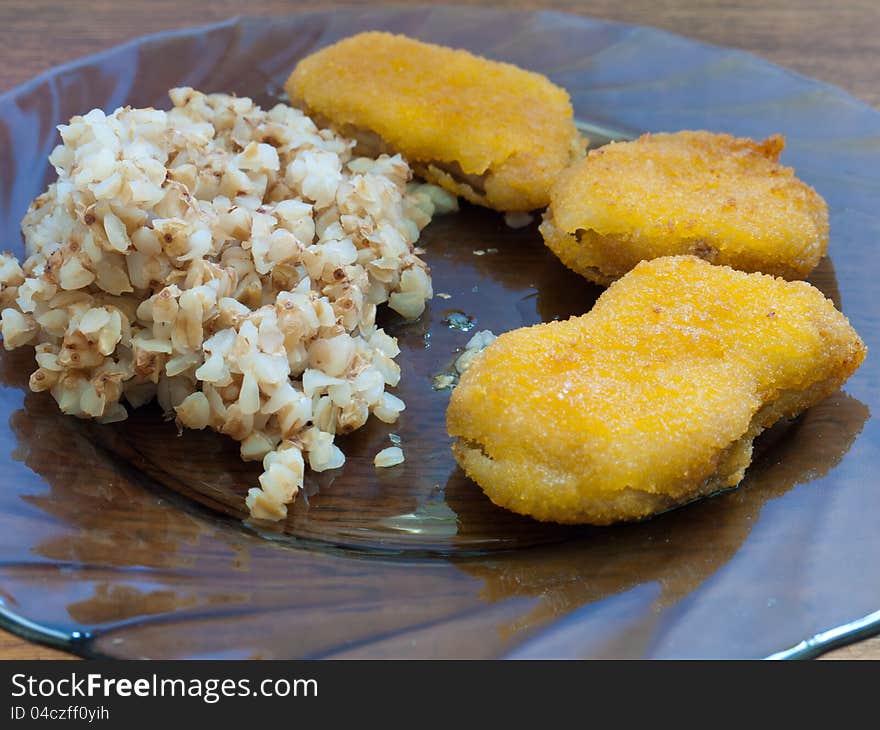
x=836, y=42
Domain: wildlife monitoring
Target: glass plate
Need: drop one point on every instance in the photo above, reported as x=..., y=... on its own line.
x=127, y=540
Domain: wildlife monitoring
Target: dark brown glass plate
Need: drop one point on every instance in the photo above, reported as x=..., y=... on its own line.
x=127, y=540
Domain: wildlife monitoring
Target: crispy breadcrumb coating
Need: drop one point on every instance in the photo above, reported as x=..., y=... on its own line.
x=722, y=198
x=651, y=399
x=490, y=132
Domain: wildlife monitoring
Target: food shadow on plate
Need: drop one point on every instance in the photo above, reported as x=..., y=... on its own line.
x=679, y=550
x=98, y=543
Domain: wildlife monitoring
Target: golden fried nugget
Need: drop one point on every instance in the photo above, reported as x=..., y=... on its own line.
x=651, y=399
x=724, y=199
x=490, y=132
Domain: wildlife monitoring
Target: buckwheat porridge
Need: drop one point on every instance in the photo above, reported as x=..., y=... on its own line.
x=228, y=262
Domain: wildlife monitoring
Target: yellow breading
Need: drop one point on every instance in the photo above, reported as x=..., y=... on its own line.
x=651, y=399
x=718, y=197
x=491, y=132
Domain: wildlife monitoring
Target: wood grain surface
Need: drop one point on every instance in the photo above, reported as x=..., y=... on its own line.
x=834, y=42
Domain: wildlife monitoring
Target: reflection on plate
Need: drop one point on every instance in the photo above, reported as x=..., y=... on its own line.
x=126, y=540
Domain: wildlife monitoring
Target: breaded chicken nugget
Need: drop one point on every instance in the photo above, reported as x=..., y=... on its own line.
x=651, y=399
x=490, y=132
x=724, y=199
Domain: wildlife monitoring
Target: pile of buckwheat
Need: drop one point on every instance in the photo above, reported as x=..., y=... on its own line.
x=227, y=261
